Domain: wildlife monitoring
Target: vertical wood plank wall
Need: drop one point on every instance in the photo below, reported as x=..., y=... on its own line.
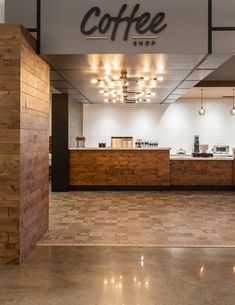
x=24, y=108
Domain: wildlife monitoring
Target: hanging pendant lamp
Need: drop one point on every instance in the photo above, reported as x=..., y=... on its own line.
x=202, y=110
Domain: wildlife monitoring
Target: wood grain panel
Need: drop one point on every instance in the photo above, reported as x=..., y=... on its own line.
x=24, y=100
x=119, y=168
x=202, y=172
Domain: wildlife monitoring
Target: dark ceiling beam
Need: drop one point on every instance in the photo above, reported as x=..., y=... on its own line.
x=204, y=83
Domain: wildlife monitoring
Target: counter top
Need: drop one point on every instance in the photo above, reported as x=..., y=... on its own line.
x=190, y=158
x=119, y=149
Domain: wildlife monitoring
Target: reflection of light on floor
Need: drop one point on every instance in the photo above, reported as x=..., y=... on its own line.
x=142, y=261
x=117, y=282
x=201, y=271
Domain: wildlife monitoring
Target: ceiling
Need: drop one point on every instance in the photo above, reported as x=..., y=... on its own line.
x=72, y=74
x=219, y=84
x=226, y=72
x=209, y=93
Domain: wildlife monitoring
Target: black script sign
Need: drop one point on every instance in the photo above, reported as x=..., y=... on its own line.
x=143, y=23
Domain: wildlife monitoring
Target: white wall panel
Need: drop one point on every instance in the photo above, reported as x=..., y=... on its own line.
x=173, y=125
x=2, y=11
x=223, y=13
x=75, y=121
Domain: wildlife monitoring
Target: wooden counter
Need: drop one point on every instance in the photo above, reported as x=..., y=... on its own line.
x=119, y=167
x=146, y=169
x=202, y=172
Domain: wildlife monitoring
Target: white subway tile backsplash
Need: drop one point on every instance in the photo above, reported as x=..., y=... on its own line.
x=75, y=121
x=173, y=125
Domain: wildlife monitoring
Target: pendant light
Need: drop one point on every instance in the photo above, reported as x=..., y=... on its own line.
x=202, y=111
x=233, y=109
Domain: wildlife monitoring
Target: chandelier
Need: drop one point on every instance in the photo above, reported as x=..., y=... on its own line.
x=115, y=88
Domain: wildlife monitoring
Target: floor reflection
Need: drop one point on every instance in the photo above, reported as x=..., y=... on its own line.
x=121, y=276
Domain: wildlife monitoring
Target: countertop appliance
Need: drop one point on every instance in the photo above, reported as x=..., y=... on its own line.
x=102, y=145
x=221, y=149
x=122, y=142
x=146, y=144
x=196, y=148
x=202, y=155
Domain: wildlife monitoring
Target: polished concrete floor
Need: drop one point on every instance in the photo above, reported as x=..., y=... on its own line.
x=142, y=218
x=121, y=276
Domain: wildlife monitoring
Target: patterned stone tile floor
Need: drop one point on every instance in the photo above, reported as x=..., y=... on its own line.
x=142, y=219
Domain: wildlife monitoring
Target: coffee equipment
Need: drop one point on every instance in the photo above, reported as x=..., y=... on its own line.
x=200, y=151
x=146, y=144
x=102, y=145
x=122, y=142
x=196, y=148
x=221, y=149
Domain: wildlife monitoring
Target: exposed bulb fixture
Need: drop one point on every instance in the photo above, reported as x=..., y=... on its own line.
x=94, y=81
x=202, y=111
x=115, y=88
x=233, y=109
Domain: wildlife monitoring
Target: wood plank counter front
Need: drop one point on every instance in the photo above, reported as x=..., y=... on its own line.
x=202, y=172
x=119, y=167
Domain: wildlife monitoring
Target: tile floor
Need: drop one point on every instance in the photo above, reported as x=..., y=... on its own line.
x=142, y=218
x=120, y=276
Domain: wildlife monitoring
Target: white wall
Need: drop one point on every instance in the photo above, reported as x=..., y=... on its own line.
x=2, y=11
x=173, y=125
x=75, y=121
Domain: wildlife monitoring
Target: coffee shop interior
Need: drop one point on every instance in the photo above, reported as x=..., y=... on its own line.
x=156, y=128
x=136, y=153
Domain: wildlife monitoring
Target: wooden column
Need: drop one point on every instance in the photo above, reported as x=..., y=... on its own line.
x=24, y=116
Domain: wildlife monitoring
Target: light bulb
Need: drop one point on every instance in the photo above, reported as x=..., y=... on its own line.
x=146, y=78
x=101, y=91
x=202, y=111
x=106, y=100
x=116, y=77
x=232, y=111
x=160, y=68
x=94, y=81
x=160, y=78
x=153, y=94
x=148, y=100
